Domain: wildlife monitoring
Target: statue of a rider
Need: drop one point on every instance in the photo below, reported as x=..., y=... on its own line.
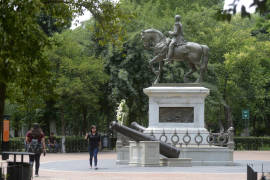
x=177, y=37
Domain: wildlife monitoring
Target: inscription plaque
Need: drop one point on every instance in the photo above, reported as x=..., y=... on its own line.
x=176, y=114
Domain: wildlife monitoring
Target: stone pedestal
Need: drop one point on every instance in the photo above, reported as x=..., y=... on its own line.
x=122, y=154
x=176, y=109
x=134, y=153
x=144, y=153
x=176, y=116
x=122, y=149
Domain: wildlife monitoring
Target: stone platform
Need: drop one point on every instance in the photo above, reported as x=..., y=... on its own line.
x=75, y=166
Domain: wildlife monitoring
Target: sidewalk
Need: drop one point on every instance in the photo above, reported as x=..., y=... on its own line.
x=74, y=166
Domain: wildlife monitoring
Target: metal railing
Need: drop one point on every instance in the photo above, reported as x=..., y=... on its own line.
x=224, y=139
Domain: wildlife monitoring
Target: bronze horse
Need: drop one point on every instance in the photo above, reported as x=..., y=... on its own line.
x=195, y=54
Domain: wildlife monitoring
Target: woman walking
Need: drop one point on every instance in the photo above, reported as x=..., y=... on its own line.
x=93, y=143
x=35, y=141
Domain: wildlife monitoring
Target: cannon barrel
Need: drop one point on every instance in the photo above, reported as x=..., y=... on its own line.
x=137, y=126
x=165, y=149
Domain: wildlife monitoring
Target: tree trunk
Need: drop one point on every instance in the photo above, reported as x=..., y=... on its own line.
x=267, y=123
x=2, y=106
x=224, y=98
x=85, y=125
x=254, y=133
x=16, y=133
x=52, y=126
x=63, y=122
x=221, y=127
x=228, y=115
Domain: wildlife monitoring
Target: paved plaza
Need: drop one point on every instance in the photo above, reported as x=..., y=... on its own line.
x=75, y=166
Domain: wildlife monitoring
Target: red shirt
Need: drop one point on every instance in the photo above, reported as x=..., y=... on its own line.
x=30, y=137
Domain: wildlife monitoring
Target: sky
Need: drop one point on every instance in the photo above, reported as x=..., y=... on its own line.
x=246, y=3
x=87, y=14
x=80, y=19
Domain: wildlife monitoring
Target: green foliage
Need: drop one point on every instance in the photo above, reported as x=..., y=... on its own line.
x=78, y=78
x=200, y=25
x=76, y=144
x=21, y=46
x=252, y=143
x=55, y=18
x=25, y=27
x=79, y=144
x=129, y=75
x=87, y=79
x=248, y=80
x=16, y=144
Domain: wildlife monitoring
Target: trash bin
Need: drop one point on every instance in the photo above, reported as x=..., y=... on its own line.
x=105, y=142
x=19, y=171
x=112, y=142
x=1, y=177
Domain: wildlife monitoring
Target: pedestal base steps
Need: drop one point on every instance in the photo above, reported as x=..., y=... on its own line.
x=146, y=153
x=208, y=155
x=176, y=162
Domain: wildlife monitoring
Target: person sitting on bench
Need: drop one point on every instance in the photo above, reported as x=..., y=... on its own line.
x=52, y=143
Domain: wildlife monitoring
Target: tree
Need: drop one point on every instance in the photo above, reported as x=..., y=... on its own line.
x=128, y=67
x=79, y=78
x=200, y=26
x=23, y=40
x=248, y=80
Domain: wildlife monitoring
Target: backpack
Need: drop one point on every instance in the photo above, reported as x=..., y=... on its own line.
x=35, y=146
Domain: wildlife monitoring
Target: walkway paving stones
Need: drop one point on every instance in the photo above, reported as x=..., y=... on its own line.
x=74, y=166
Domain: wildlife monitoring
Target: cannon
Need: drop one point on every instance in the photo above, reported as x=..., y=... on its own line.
x=166, y=150
x=137, y=126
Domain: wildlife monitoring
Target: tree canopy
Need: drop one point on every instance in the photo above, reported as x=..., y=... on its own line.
x=76, y=80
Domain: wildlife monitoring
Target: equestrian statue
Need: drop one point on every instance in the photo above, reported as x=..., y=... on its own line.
x=177, y=49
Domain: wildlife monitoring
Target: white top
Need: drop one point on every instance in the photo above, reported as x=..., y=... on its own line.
x=176, y=91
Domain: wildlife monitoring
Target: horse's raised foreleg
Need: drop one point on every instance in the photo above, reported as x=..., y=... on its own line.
x=192, y=70
x=155, y=59
x=157, y=79
x=151, y=62
x=158, y=72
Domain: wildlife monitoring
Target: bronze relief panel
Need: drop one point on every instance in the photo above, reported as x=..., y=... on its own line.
x=176, y=114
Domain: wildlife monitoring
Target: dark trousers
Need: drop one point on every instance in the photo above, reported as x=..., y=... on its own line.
x=35, y=158
x=93, y=154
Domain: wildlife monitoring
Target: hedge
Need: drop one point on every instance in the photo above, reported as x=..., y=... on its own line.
x=252, y=143
x=76, y=144
x=79, y=144
x=72, y=143
x=17, y=144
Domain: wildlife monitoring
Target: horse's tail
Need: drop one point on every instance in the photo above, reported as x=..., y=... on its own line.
x=204, y=61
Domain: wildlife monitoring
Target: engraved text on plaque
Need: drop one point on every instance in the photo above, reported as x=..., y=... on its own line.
x=176, y=114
